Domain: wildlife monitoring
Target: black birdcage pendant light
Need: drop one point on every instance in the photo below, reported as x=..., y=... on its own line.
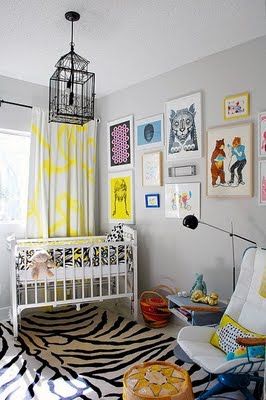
x=72, y=86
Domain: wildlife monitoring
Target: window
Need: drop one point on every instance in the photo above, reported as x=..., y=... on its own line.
x=14, y=167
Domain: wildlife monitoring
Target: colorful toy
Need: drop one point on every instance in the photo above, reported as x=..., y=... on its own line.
x=199, y=284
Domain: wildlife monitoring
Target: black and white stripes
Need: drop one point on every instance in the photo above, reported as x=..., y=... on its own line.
x=65, y=354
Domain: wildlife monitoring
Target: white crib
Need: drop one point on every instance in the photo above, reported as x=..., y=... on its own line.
x=88, y=269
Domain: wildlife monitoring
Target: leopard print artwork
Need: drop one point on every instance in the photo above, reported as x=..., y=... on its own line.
x=183, y=130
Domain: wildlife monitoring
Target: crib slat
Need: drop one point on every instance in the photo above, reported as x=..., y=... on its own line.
x=64, y=269
x=91, y=251
x=26, y=283
x=101, y=272
x=117, y=270
x=125, y=256
x=109, y=271
x=74, y=275
x=55, y=280
x=83, y=274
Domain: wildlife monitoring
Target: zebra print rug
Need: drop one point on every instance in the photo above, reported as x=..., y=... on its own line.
x=68, y=354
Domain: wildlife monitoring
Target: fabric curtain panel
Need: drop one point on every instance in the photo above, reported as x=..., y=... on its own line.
x=61, y=196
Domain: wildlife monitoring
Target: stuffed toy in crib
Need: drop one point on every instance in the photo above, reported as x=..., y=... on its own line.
x=41, y=263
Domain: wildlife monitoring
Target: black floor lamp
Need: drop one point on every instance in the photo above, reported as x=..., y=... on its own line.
x=190, y=221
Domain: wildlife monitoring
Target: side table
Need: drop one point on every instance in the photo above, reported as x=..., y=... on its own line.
x=211, y=316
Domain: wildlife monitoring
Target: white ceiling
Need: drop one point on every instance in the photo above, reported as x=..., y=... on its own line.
x=127, y=41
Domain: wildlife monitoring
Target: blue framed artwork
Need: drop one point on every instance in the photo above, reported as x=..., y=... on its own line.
x=149, y=132
x=152, y=200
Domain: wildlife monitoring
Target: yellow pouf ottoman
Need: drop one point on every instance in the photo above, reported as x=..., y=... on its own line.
x=157, y=380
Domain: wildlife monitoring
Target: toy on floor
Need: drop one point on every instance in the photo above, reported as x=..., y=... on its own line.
x=199, y=284
x=40, y=264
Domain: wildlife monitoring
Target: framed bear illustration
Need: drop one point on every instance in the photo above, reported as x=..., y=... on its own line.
x=183, y=127
x=229, y=161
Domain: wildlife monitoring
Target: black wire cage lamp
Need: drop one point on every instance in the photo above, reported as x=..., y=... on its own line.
x=72, y=86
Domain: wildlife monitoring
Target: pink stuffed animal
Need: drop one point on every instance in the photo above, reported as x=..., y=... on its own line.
x=41, y=264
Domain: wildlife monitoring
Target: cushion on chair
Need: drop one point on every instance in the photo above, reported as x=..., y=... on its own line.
x=225, y=339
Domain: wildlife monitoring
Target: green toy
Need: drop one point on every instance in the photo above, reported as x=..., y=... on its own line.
x=199, y=285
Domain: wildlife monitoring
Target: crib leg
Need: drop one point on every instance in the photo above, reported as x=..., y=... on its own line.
x=15, y=324
x=78, y=307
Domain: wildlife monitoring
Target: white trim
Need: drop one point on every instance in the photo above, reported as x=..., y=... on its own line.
x=14, y=132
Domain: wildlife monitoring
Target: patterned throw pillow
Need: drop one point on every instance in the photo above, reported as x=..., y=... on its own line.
x=116, y=234
x=225, y=339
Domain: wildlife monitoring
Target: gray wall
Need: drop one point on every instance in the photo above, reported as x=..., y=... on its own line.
x=16, y=118
x=166, y=248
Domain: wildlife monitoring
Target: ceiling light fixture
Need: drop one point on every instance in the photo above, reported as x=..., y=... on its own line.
x=72, y=86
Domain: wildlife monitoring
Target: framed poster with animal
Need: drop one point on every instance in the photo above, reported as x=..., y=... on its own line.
x=120, y=197
x=120, y=143
x=229, y=161
x=183, y=127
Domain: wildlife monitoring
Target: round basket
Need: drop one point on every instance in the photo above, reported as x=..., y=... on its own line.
x=154, y=306
x=157, y=380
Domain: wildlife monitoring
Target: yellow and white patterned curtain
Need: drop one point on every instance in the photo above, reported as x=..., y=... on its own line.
x=61, y=196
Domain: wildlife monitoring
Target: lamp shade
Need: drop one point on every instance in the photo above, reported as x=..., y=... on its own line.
x=190, y=221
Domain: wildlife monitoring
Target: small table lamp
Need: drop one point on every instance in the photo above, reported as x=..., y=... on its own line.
x=191, y=221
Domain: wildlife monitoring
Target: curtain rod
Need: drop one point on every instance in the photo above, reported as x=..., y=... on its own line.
x=98, y=120
x=14, y=104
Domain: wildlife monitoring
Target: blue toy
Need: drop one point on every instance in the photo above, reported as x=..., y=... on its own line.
x=199, y=284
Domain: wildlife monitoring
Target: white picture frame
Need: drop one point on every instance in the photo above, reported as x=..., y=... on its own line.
x=149, y=132
x=183, y=130
x=152, y=169
x=121, y=209
x=262, y=134
x=262, y=183
x=182, y=199
x=120, y=144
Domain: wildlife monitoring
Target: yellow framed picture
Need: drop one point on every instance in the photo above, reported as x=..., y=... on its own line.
x=236, y=106
x=120, y=197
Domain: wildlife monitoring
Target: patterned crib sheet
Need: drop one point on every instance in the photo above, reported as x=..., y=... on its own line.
x=73, y=256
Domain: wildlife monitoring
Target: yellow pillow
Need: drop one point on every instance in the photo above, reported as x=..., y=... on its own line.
x=225, y=339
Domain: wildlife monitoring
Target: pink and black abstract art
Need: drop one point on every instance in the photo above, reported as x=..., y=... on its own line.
x=120, y=144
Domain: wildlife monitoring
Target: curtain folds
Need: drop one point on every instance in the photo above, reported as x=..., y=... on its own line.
x=61, y=194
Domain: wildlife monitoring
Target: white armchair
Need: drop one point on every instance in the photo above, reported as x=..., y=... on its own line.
x=248, y=308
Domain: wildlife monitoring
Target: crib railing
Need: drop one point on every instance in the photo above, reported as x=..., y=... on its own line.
x=112, y=274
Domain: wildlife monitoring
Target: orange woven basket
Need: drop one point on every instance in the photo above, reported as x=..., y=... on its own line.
x=154, y=306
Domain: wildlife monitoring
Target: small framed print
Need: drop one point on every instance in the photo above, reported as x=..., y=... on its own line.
x=120, y=197
x=149, y=132
x=262, y=183
x=152, y=169
x=262, y=134
x=120, y=143
x=152, y=200
x=182, y=199
x=236, y=106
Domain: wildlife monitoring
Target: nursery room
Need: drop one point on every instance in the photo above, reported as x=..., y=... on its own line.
x=133, y=199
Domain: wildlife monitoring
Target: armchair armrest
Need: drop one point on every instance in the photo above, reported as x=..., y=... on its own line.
x=201, y=334
x=251, y=341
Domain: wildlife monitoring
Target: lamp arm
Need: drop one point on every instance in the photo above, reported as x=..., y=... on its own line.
x=230, y=233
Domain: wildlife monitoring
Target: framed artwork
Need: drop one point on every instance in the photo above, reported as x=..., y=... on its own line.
x=182, y=199
x=152, y=200
x=229, y=161
x=152, y=169
x=183, y=127
x=262, y=134
x=120, y=143
x=149, y=132
x=262, y=183
x=236, y=106
x=120, y=197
